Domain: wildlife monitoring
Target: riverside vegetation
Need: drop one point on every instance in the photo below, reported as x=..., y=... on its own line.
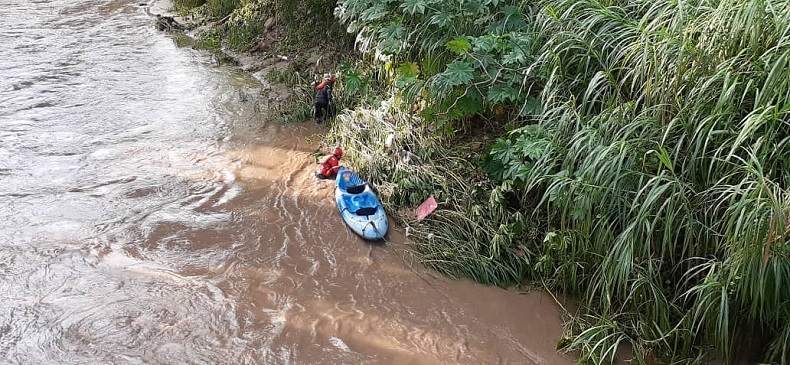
x=636, y=153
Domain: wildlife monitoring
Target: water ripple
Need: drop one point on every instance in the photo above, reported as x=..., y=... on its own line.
x=150, y=216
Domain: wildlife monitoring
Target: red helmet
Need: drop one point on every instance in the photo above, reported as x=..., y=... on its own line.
x=338, y=152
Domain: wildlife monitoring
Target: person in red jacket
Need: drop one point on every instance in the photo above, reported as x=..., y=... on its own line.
x=330, y=165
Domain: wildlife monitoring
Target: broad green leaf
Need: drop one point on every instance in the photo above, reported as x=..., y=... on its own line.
x=459, y=45
x=485, y=43
x=469, y=103
x=459, y=73
x=413, y=6
x=393, y=31
x=472, y=108
x=391, y=38
x=515, y=22
x=440, y=87
x=351, y=77
x=376, y=12
x=390, y=45
x=523, y=172
x=488, y=65
x=408, y=69
x=353, y=81
x=533, y=106
x=515, y=56
x=441, y=18
x=531, y=146
x=404, y=81
x=474, y=8
x=502, y=93
x=410, y=87
x=515, y=77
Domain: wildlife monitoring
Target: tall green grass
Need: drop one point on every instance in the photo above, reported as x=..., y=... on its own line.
x=656, y=166
x=666, y=160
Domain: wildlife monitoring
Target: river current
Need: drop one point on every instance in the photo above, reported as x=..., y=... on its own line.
x=148, y=215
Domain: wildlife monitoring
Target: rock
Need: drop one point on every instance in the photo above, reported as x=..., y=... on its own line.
x=269, y=24
x=166, y=23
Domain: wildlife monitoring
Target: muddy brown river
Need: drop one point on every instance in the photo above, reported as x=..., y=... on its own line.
x=149, y=216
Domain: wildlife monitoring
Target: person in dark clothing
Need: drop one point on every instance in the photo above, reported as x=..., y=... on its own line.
x=323, y=99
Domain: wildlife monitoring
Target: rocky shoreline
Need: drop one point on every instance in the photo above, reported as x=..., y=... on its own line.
x=248, y=61
x=161, y=9
x=258, y=62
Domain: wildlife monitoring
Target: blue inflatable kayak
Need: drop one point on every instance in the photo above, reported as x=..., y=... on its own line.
x=359, y=207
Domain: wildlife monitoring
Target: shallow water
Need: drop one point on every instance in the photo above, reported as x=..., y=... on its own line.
x=150, y=216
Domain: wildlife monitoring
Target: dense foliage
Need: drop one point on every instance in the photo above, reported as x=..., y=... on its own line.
x=645, y=169
x=473, y=233
x=652, y=152
x=238, y=25
x=464, y=57
x=665, y=134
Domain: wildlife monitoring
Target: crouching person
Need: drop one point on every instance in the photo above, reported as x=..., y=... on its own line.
x=330, y=165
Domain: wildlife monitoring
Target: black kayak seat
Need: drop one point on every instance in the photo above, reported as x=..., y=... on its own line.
x=366, y=211
x=355, y=189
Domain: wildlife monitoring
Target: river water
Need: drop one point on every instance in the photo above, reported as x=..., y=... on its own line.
x=149, y=216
